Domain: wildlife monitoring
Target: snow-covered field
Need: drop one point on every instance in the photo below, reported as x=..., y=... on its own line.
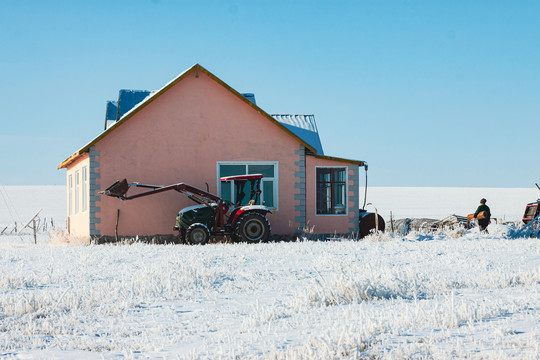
x=421, y=296
x=506, y=204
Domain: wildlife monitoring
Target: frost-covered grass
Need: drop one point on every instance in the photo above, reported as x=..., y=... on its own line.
x=18, y=204
x=420, y=296
x=444, y=295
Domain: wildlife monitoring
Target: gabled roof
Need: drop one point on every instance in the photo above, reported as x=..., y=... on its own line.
x=154, y=95
x=301, y=125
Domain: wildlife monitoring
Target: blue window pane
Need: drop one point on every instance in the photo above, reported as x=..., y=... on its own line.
x=340, y=175
x=246, y=191
x=331, y=191
x=226, y=190
x=268, y=193
x=231, y=170
x=265, y=170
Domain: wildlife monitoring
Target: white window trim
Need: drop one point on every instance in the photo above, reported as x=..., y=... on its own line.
x=275, y=178
x=346, y=189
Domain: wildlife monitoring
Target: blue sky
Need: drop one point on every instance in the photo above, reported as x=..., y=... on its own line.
x=429, y=93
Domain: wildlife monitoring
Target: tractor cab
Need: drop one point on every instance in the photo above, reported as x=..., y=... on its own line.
x=240, y=182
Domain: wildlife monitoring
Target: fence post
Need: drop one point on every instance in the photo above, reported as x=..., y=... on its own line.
x=35, y=231
x=116, y=226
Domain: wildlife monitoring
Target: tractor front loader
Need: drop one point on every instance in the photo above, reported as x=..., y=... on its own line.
x=212, y=216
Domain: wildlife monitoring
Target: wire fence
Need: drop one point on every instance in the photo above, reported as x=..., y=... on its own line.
x=42, y=225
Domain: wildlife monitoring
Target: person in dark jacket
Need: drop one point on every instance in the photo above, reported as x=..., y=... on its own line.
x=483, y=214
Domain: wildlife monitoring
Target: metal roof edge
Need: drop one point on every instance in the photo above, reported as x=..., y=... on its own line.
x=68, y=161
x=358, y=162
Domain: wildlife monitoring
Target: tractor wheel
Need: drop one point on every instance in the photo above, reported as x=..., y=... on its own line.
x=252, y=227
x=197, y=234
x=182, y=236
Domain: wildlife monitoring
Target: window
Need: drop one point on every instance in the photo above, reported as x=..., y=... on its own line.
x=331, y=191
x=269, y=182
x=77, y=180
x=70, y=194
x=84, y=199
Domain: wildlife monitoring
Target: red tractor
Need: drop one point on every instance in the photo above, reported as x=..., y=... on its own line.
x=212, y=216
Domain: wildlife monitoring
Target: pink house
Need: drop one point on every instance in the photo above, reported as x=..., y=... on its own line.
x=195, y=130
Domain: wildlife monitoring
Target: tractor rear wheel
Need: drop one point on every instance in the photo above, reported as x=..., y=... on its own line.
x=252, y=227
x=197, y=234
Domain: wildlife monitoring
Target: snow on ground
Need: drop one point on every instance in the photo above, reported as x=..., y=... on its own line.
x=437, y=203
x=420, y=296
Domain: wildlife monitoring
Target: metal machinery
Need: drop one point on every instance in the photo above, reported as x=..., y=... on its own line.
x=212, y=216
x=531, y=220
x=369, y=223
x=532, y=210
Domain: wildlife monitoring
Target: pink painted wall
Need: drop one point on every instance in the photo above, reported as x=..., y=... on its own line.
x=180, y=137
x=78, y=221
x=325, y=224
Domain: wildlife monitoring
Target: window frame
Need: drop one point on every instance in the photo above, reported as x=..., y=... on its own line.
x=77, y=191
x=70, y=194
x=84, y=189
x=346, y=213
x=275, y=179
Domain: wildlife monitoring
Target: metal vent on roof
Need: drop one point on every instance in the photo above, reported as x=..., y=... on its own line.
x=302, y=121
x=128, y=99
x=303, y=126
x=250, y=97
x=111, y=111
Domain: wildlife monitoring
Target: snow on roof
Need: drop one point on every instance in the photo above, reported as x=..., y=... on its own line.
x=128, y=99
x=303, y=126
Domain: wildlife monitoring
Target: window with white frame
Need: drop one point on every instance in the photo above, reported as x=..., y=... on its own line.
x=269, y=182
x=84, y=188
x=331, y=190
x=70, y=194
x=77, y=183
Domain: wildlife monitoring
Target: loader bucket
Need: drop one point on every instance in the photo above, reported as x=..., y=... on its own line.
x=118, y=189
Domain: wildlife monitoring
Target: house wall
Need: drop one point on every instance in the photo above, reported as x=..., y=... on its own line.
x=78, y=219
x=327, y=224
x=180, y=137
